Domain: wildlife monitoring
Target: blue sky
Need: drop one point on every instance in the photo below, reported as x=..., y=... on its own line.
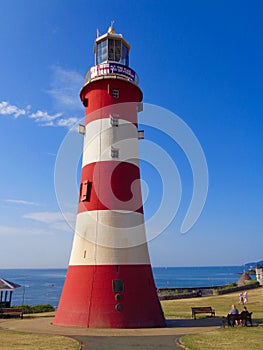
x=202, y=60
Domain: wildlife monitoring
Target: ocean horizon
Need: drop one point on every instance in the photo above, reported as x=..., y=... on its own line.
x=44, y=286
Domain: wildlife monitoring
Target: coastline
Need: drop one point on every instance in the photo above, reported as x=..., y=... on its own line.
x=198, y=292
x=44, y=286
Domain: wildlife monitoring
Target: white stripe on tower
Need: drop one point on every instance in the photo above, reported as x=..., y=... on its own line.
x=101, y=137
x=117, y=227
x=97, y=241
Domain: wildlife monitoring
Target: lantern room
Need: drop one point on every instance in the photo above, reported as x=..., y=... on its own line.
x=111, y=47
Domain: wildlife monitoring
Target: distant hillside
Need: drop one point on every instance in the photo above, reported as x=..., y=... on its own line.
x=252, y=265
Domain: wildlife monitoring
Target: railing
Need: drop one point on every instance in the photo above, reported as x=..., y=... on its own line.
x=111, y=69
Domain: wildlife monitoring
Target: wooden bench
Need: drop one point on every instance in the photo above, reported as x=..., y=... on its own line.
x=202, y=310
x=245, y=317
x=10, y=311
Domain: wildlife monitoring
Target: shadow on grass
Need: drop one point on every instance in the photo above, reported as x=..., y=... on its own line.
x=201, y=322
x=257, y=321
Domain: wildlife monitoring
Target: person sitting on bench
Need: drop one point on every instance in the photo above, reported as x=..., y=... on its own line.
x=243, y=316
x=234, y=311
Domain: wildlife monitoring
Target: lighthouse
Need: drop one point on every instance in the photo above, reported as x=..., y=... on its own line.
x=109, y=282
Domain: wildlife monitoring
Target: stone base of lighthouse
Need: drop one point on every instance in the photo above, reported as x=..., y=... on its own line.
x=109, y=296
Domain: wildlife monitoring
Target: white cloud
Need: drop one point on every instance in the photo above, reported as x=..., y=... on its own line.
x=12, y=230
x=47, y=217
x=69, y=122
x=7, y=109
x=64, y=226
x=20, y=201
x=41, y=117
x=55, y=219
x=44, y=118
x=65, y=87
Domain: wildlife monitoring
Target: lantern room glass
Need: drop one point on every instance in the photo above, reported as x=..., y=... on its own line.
x=112, y=50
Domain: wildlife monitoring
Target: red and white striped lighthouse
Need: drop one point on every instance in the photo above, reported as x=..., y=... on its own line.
x=109, y=283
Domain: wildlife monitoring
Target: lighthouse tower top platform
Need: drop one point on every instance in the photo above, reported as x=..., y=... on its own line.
x=111, y=59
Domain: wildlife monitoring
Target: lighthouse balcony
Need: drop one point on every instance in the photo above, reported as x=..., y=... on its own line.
x=111, y=69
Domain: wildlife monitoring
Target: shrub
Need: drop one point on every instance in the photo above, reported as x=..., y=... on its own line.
x=34, y=309
x=228, y=286
x=252, y=282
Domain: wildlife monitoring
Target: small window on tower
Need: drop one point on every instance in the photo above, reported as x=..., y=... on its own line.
x=140, y=107
x=81, y=129
x=118, y=286
x=114, y=152
x=115, y=93
x=85, y=102
x=85, y=191
x=140, y=134
x=114, y=120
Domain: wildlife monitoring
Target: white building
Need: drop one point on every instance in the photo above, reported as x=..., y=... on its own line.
x=259, y=275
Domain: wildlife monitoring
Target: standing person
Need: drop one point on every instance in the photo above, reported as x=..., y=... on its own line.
x=245, y=297
x=241, y=299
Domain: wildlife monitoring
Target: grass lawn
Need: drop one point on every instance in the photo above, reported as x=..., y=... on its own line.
x=26, y=341
x=237, y=338
x=181, y=308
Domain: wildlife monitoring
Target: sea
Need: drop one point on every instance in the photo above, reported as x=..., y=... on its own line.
x=44, y=286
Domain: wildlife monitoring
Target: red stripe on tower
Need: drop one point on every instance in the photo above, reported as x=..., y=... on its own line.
x=109, y=283
x=108, y=185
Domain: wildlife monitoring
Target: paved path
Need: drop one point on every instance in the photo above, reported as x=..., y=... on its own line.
x=116, y=339
x=167, y=342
